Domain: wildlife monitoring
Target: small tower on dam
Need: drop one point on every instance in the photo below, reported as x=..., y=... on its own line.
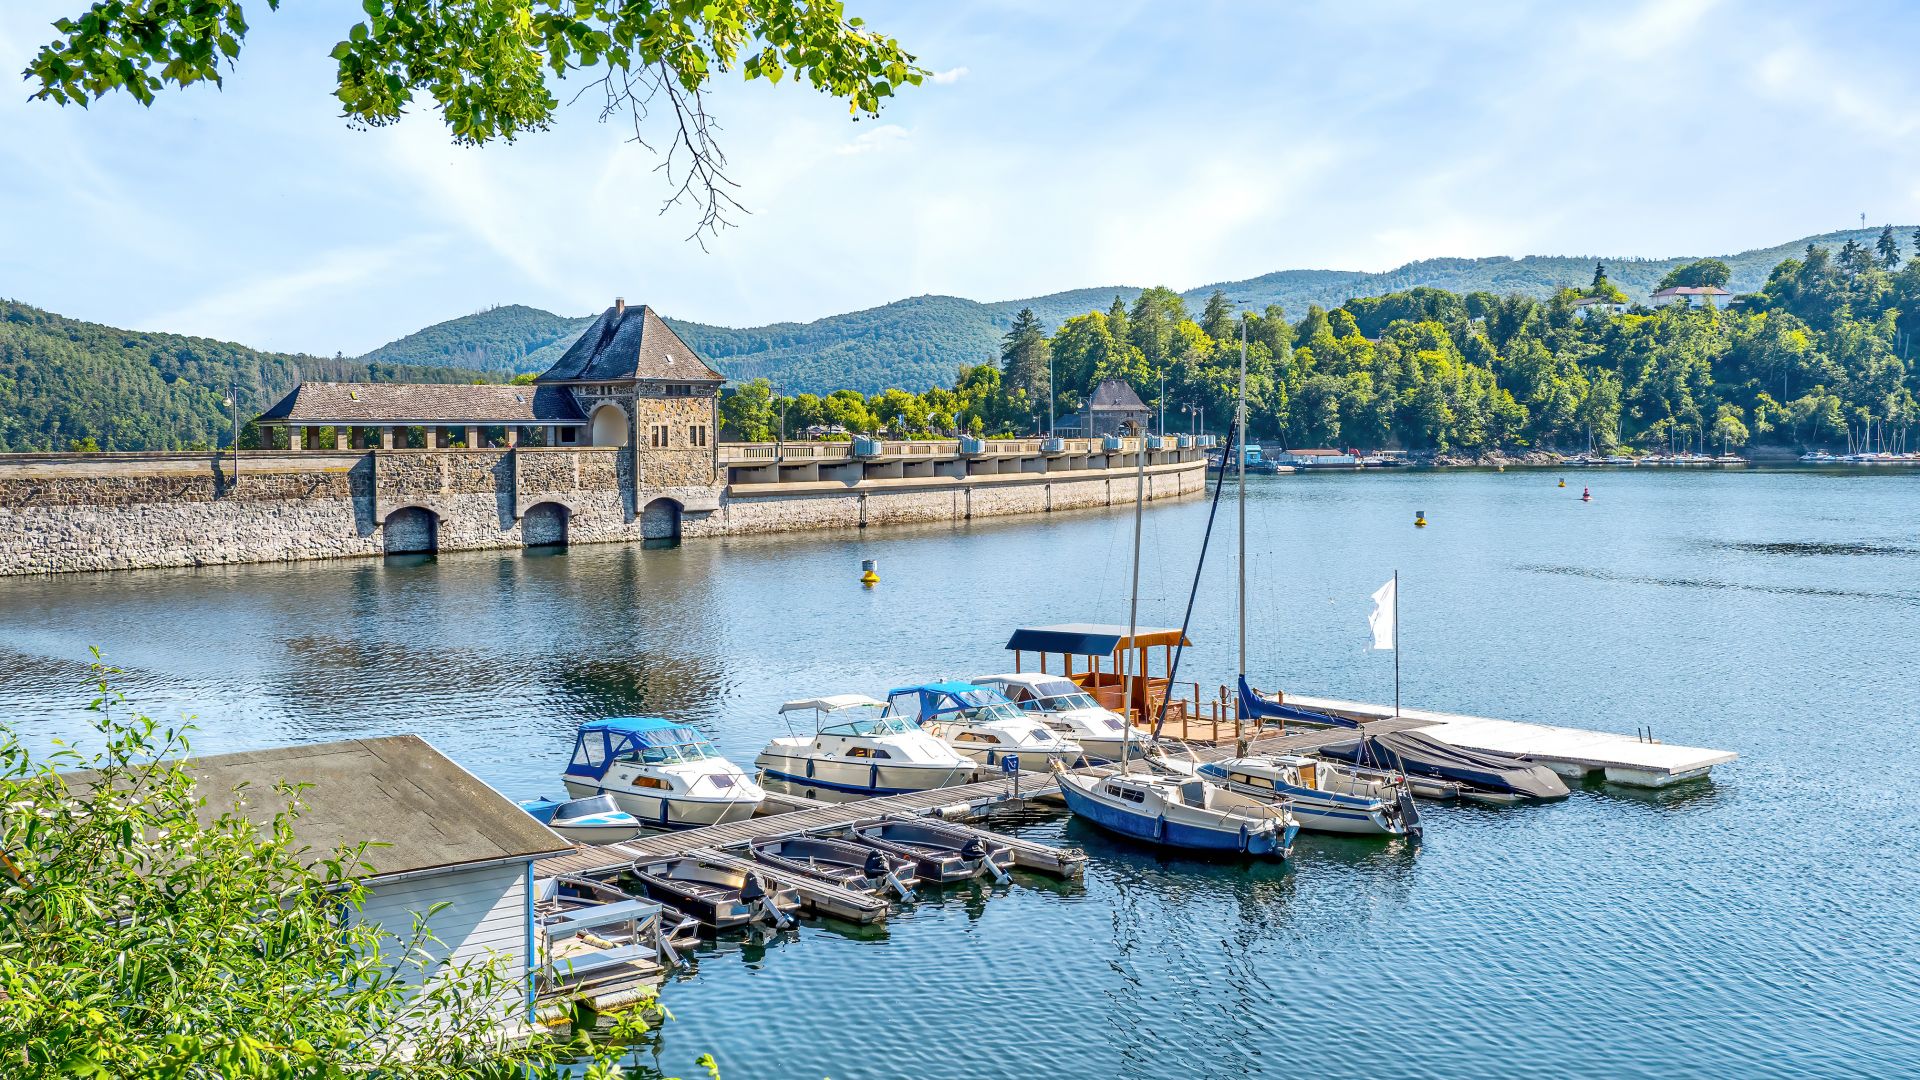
x=639, y=386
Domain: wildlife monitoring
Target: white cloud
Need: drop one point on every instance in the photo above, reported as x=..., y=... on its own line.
x=251, y=309
x=948, y=77
x=880, y=138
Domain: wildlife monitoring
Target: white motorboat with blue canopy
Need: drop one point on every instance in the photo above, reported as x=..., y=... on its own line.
x=1063, y=705
x=982, y=724
x=666, y=774
x=857, y=751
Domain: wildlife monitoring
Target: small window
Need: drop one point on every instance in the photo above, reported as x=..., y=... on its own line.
x=659, y=436
x=697, y=434
x=859, y=751
x=649, y=781
x=882, y=754
x=591, y=752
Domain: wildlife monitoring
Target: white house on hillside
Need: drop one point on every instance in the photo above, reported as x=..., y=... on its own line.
x=1692, y=296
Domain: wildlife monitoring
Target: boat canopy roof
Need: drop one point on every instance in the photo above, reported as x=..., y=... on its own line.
x=601, y=741
x=928, y=700
x=1090, y=639
x=832, y=703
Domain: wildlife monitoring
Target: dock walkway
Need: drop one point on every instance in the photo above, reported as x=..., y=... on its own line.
x=1571, y=752
x=954, y=803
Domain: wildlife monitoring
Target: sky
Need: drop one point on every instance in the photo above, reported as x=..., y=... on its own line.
x=1059, y=145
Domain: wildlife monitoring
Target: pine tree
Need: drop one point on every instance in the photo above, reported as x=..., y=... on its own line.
x=1889, y=248
x=1217, y=318
x=1023, y=357
x=1599, y=274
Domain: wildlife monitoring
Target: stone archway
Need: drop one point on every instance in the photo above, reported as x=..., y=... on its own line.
x=544, y=525
x=608, y=425
x=660, y=520
x=411, y=530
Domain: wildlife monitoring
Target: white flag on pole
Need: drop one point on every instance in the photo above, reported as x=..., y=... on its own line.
x=1385, y=634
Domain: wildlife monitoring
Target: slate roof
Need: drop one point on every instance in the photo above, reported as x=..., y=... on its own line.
x=1692, y=290
x=627, y=343
x=397, y=791
x=1114, y=395
x=438, y=403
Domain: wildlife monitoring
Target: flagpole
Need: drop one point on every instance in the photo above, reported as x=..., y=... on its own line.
x=1396, y=643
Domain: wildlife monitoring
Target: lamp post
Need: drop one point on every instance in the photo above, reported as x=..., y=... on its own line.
x=1049, y=393
x=1163, y=402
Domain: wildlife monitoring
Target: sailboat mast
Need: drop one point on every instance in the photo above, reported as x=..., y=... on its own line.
x=1396, y=644
x=1133, y=604
x=1240, y=416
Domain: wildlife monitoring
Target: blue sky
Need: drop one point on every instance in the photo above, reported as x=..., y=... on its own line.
x=1063, y=145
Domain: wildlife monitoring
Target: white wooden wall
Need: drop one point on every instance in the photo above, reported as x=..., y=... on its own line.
x=486, y=912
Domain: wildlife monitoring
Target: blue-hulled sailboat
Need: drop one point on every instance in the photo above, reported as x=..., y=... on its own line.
x=1182, y=812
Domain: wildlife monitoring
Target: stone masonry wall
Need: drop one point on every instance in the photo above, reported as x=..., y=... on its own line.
x=111, y=512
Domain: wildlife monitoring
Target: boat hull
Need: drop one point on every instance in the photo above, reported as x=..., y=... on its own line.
x=1169, y=832
x=860, y=779
x=676, y=812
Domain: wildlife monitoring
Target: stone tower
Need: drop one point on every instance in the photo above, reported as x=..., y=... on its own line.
x=641, y=388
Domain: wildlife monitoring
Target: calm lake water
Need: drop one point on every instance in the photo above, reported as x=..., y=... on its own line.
x=1761, y=924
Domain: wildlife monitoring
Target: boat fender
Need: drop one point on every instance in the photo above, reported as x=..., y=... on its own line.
x=1160, y=827
x=809, y=768
x=1243, y=837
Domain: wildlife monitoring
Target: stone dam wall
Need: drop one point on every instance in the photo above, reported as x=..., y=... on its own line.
x=67, y=513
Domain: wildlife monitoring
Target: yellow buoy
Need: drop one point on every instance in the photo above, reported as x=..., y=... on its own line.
x=869, y=572
x=1419, y=519
x=1563, y=483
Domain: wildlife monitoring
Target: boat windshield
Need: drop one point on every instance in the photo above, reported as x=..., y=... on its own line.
x=981, y=714
x=871, y=725
x=675, y=754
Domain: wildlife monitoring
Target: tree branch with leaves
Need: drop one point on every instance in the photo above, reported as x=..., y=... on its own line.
x=490, y=66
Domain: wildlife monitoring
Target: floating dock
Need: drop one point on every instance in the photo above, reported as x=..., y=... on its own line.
x=1572, y=752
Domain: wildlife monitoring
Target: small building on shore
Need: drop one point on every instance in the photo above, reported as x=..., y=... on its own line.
x=1112, y=409
x=1692, y=296
x=440, y=836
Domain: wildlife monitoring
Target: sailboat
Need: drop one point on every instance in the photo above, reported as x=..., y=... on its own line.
x=1174, y=809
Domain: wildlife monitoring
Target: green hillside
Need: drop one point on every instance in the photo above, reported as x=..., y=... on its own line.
x=497, y=339
x=923, y=340
x=63, y=380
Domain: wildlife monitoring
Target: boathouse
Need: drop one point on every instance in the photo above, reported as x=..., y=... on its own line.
x=440, y=836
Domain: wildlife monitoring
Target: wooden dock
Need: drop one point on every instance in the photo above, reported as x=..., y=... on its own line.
x=794, y=814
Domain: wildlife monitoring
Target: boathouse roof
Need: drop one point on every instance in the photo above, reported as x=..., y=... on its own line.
x=629, y=343
x=419, y=809
x=1114, y=395
x=1691, y=290
x=320, y=403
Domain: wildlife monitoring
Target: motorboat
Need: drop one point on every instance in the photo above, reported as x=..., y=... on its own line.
x=1066, y=707
x=666, y=774
x=940, y=853
x=596, y=819
x=983, y=725
x=1323, y=796
x=1183, y=812
x=858, y=751
x=600, y=940
x=843, y=862
x=1482, y=774
x=723, y=895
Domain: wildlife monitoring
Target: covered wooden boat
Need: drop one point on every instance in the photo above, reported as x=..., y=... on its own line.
x=940, y=852
x=843, y=862
x=723, y=896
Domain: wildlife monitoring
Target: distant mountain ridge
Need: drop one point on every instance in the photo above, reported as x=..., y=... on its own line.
x=922, y=341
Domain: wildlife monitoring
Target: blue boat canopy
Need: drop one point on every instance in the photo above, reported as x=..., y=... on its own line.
x=924, y=702
x=1088, y=639
x=601, y=741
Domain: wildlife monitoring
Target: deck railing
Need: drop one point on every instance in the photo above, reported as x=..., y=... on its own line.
x=766, y=453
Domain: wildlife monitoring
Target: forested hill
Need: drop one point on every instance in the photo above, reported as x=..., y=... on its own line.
x=64, y=381
x=922, y=341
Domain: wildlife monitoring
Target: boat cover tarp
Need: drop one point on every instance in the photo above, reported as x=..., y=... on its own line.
x=1423, y=755
x=1255, y=706
x=830, y=703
